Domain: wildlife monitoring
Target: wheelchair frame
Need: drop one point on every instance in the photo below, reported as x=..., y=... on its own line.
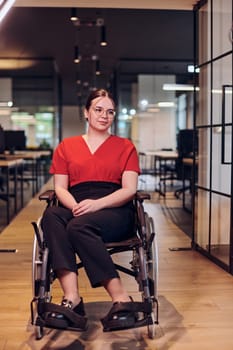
x=144, y=267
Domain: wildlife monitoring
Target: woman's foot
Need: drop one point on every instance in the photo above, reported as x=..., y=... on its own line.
x=78, y=308
x=69, y=316
x=126, y=315
x=122, y=315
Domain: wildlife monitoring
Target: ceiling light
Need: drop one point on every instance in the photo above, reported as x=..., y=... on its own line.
x=143, y=103
x=73, y=16
x=5, y=7
x=6, y=104
x=166, y=104
x=179, y=87
x=219, y=91
x=15, y=63
x=23, y=117
x=103, y=41
x=97, y=67
x=132, y=111
x=191, y=69
x=77, y=57
x=125, y=117
x=99, y=22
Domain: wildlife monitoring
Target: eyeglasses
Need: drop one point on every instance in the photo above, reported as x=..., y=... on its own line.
x=99, y=111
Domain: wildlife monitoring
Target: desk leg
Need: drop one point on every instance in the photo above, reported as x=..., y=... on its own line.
x=8, y=203
x=15, y=188
x=7, y=196
x=162, y=182
x=21, y=187
x=33, y=176
x=37, y=175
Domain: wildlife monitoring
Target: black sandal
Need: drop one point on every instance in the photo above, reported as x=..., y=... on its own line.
x=65, y=316
x=126, y=315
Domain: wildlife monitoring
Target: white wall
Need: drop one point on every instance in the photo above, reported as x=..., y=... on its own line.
x=72, y=122
x=154, y=131
x=5, y=98
x=5, y=118
x=154, y=127
x=150, y=131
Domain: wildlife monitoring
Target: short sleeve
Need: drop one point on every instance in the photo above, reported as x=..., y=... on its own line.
x=59, y=163
x=131, y=159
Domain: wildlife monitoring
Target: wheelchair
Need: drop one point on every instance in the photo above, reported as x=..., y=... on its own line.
x=143, y=267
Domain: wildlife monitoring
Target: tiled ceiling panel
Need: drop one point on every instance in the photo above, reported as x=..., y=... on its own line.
x=137, y=4
x=140, y=41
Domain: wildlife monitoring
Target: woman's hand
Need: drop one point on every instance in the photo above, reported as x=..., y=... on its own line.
x=85, y=206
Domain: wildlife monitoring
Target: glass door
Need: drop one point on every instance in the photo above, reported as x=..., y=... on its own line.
x=213, y=122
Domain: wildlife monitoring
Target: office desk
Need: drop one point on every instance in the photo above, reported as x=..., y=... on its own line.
x=161, y=159
x=33, y=159
x=6, y=166
x=165, y=155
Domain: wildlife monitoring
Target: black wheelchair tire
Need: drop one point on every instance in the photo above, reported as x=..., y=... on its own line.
x=152, y=271
x=36, y=267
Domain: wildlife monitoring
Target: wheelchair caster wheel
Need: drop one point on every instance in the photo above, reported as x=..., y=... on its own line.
x=151, y=327
x=39, y=332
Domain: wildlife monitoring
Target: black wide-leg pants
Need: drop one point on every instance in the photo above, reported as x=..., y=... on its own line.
x=86, y=235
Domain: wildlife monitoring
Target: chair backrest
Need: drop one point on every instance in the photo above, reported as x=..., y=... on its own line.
x=2, y=140
x=187, y=143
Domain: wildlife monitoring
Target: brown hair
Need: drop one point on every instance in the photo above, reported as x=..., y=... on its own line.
x=98, y=93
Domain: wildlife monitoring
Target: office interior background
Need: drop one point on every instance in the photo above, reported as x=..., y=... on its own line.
x=169, y=68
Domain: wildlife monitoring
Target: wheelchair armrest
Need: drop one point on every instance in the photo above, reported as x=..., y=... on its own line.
x=48, y=196
x=141, y=196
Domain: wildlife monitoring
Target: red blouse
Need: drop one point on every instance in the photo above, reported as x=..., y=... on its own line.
x=115, y=155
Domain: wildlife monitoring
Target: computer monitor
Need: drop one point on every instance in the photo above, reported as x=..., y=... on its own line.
x=14, y=140
x=2, y=140
x=187, y=142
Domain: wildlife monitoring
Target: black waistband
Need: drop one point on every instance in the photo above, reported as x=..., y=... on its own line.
x=93, y=189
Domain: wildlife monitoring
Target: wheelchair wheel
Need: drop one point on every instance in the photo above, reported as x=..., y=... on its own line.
x=36, y=264
x=39, y=332
x=152, y=257
x=42, y=278
x=42, y=275
x=152, y=272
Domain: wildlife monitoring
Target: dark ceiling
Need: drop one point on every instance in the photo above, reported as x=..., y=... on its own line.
x=139, y=42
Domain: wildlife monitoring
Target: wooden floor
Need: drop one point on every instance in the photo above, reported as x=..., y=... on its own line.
x=195, y=296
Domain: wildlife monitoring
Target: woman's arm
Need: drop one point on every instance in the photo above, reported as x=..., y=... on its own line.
x=115, y=199
x=62, y=193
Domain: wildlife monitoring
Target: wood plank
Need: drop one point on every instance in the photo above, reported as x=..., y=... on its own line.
x=195, y=296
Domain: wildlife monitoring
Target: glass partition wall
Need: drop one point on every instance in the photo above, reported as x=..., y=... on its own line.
x=213, y=121
x=33, y=101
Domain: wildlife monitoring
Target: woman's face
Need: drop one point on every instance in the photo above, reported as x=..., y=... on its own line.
x=101, y=113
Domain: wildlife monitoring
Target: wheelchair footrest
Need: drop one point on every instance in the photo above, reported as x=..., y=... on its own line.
x=43, y=323
x=70, y=319
x=127, y=315
x=123, y=325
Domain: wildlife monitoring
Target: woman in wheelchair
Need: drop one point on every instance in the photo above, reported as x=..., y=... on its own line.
x=95, y=180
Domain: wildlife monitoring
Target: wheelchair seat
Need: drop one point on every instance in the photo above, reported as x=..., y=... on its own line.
x=143, y=267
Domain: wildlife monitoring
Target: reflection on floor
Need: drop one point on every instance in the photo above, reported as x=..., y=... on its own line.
x=27, y=194
x=220, y=251
x=171, y=205
x=195, y=296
